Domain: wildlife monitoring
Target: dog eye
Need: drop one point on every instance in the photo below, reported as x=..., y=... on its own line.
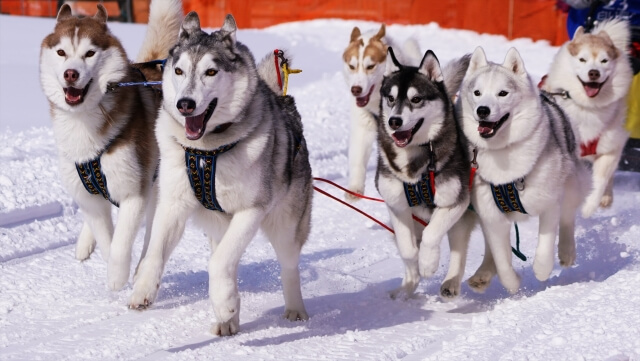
x=604, y=61
x=582, y=60
x=391, y=99
x=476, y=93
x=90, y=53
x=61, y=52
x=416, y=100
x=371, y=66
x=352, y=67
x=178, y=71
x=211, y=72
x=503, y=93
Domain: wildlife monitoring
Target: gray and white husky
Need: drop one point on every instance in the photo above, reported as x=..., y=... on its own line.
x=233, y=157
x=528, y=166
x=106, y=145
x=423, y=167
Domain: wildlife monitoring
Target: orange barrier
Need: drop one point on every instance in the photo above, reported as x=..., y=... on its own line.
x=536, y=19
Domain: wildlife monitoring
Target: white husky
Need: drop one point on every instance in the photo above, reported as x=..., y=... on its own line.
x=590, y=78
x=364, y=65
x=527, y=166
x=104, y=133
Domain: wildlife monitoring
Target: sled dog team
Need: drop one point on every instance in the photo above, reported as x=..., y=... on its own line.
x=465, y=143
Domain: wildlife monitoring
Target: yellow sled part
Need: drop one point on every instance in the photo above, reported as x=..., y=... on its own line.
x=633, y=116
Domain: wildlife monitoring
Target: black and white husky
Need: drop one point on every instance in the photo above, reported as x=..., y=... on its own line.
x=423, y=168
x=233, y=157
x=528, y=166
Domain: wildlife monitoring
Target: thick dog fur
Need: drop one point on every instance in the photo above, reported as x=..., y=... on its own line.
x=214, y=96
x=520, y=134
x=77, y=62
x=583, y=65
x=417, y=124
x=364, y=66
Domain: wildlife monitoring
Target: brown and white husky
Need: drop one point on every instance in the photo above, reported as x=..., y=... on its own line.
x=104, y=133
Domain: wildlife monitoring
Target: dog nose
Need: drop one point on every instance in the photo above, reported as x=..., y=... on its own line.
x=483, y=112
x=186, y=106
x=356, y=90
x=395, y=122
x=71, y=75
x=594, y=74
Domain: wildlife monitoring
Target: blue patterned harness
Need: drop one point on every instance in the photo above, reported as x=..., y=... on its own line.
x=92, y=178
x=506, y=196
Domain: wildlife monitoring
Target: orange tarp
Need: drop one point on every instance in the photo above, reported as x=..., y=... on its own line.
x=536, y=19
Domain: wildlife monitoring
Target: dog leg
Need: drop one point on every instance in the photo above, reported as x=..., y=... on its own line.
x=168, y=226
x=129, y=218
x=497, y=234
x=150, y=211
x=603, y=168
x=481, y=280
x=547, y=232
x=97, y=214
x=361, y=137
x=441, y=221
x=408, y=249
x=86, y=243
x=223, y=270
x=570, y=205
x=607, y=198
x=458, y=235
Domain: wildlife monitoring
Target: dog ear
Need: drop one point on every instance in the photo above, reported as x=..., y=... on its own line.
x=101, y=15
x=64, y=13
x=355, y=34
x=430, y=66
x=478, y=60
x=190, y=25
x=579, y=32
x=514, y=62
x=380, y=33
x=229, y=28
x=392, y=63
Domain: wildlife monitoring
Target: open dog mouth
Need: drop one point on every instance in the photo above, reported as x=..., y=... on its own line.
x=194, y=126
x=592, y=88
x=404, y=137
x=75, y=96
x=489, y=129
x=363, y=101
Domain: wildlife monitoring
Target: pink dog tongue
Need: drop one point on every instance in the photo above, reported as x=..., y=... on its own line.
x=485, y=130
x=194, y=126
x=592, y=89
x=402, y=138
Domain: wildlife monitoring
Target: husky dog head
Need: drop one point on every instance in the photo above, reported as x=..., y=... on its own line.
x=207, y=78
x=79, y=59
x=364, y=61
x=414, y=100
x=593, y=67
x=497, y=101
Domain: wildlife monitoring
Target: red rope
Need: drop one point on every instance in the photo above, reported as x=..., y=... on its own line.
x=275, y=59
x=415, y=218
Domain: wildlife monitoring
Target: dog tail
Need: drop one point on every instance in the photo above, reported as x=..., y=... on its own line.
x=618, y=30
x=165, y=17
x=453, y=74
x=268, y=71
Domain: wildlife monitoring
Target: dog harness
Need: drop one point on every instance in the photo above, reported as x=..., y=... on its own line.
x=589, y=148
x=201, y=170
x=506, y=196
x=424, y=191
x=92, y=178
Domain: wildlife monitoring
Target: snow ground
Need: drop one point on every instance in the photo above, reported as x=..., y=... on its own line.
x=53, y=307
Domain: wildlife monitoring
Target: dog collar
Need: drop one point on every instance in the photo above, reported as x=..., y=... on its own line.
x=424, y=191
x=201, y=170
x=507, y=198
x=92, y=178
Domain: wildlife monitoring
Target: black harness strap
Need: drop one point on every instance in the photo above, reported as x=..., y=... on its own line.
x=201, y=170
x=92, y=178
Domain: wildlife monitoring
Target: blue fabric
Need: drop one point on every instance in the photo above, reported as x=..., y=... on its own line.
x=626, y=9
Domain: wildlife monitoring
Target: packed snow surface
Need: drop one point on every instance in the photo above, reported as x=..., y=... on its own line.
x=53, y=307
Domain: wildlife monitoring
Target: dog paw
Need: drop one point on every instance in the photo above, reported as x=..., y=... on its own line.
x=143, y=295
x=428, y=261
x=450, y=289
x=404, y=292
x=117, y=276
x=567, y=258
x=228, y=328
x=542, y=269
x=511, y=281
x=480, y=281
x=606, y=201
x=296, y=315
x=353, y=198
x=84, y=249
